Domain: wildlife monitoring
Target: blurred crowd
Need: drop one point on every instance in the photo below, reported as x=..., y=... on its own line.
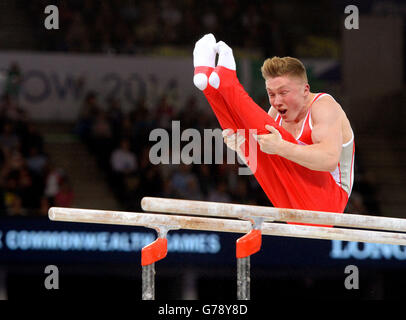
x=29, y=183
x=135, y=27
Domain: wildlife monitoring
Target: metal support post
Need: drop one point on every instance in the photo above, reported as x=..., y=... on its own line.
x=245, y=247
x=150, y=254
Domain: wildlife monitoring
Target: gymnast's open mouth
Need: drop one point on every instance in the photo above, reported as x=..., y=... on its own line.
x=282, y=111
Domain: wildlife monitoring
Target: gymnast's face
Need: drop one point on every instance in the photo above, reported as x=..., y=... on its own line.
x=289, y=96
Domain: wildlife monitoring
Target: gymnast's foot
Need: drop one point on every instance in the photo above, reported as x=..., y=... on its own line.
x=204, y=60
x=226, y=68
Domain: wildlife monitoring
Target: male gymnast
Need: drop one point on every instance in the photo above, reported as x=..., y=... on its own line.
x=306, y=156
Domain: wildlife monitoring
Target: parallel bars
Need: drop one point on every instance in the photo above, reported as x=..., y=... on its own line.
x=236, y=218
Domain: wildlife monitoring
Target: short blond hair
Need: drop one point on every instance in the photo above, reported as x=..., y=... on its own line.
x=286, y=66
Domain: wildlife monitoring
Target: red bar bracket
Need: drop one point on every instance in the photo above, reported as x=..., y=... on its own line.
x=249, y=244
x=155, y=251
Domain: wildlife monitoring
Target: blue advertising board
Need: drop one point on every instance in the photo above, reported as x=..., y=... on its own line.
x=38, y=240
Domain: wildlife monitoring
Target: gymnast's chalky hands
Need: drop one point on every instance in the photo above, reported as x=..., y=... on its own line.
x=233, y=140
x=270, y=143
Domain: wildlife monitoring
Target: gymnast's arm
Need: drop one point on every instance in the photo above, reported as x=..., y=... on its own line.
x=324, y=153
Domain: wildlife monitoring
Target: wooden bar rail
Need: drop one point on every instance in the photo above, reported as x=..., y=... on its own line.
x=151, y=220
x=206, y=208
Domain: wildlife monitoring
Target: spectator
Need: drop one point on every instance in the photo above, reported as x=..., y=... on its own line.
x=115, y=115
x=219, y=193
x=64, y=197
x=125, y=130
x=44, y=207
x=9, y=138
x=53, y=178
x=167, y=191
x=17, y=161
x=9, y=109
x=205, y=179
x=28, y=192
x=123, y=166
x=102, y=138
x=193, y=191
x=16, y=207
x=77, y=37
x=13, y=82
x=89, y=110
x=36, y=161
x=164, y=113
x=11, y=190
x=31, y=138
x=123, y=160
x=183, y=179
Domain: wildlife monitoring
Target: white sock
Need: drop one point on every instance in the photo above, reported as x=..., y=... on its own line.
x=226, y=58
x=204, y=54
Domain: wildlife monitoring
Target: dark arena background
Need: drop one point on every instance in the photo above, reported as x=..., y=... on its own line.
x=84, y=83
